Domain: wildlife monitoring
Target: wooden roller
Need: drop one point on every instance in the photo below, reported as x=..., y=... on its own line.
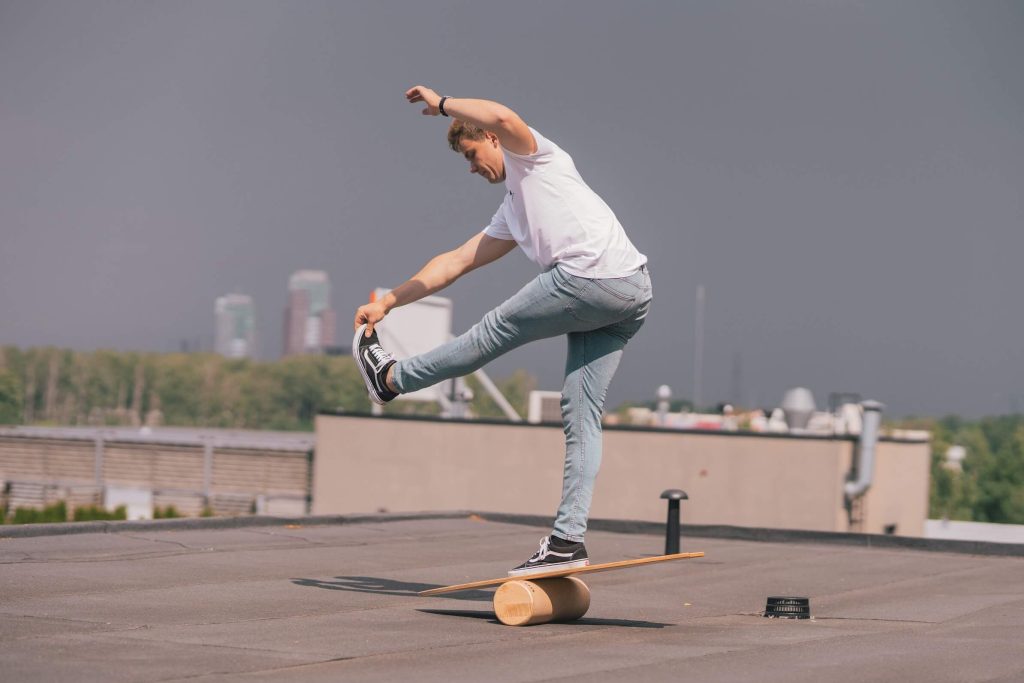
x=523, y=602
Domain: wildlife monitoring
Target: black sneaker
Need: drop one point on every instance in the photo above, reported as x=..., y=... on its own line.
x=373, y=362
x=552, y=557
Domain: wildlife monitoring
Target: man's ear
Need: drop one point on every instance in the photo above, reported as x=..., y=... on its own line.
x=493, y=138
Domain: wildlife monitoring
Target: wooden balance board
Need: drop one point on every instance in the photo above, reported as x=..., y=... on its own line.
x=548, y=596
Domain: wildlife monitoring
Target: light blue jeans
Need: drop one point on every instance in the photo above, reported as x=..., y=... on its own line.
x=599, y=317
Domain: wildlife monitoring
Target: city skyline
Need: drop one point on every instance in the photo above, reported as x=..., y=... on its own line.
x=309, y=321
x=235, y=326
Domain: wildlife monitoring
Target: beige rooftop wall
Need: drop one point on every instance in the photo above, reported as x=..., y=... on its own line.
x=366, y=464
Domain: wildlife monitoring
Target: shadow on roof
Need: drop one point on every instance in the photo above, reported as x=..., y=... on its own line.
x=379, y=586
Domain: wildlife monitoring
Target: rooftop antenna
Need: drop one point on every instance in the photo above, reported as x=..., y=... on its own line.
x=737, y=379
x=698, y=349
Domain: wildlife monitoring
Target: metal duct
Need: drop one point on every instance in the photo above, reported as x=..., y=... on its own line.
x=866, y=450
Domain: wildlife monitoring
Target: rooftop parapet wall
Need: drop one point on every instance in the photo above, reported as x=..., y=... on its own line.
x=228, y=471
x=367, y=464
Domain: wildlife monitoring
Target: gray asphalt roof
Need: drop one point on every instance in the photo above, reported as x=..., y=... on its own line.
x=337, y=602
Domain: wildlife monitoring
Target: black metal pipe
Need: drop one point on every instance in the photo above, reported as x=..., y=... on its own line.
x=672, y=524
x=672, y=530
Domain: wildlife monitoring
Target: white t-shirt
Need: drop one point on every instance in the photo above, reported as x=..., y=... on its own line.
x=556, y=218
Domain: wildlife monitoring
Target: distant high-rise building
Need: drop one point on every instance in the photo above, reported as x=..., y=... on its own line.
x=236, y=327
x=309, y=320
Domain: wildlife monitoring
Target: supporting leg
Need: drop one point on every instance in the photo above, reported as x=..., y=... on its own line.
x=592, y=361
x=537, y=311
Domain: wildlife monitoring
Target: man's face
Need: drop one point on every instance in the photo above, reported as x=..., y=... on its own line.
x=485, y=158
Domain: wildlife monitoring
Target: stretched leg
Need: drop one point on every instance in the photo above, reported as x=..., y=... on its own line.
x=537, y=311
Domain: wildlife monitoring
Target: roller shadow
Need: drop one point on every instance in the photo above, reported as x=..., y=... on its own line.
x=379, y=586
x=472, y=614
x=585, y=621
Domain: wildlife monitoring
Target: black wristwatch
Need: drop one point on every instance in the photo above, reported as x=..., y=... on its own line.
x=440, y=106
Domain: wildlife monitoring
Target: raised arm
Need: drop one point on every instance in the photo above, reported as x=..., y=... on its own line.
x=440, y=271
x=512, y=131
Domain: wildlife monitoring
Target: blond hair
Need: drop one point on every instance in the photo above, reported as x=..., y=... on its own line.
x=461, y=129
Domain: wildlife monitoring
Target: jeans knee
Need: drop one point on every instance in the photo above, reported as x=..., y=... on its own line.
x=492, y=332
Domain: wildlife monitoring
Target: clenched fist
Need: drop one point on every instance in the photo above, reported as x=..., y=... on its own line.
x=371, y=314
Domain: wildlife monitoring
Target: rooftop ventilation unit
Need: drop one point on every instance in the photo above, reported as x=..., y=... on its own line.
x=798, y=406
x=788, y=608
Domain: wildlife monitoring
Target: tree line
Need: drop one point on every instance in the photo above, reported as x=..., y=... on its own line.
x=50, y=386
x=988, y=485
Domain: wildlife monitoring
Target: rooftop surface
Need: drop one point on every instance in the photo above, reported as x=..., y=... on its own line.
x=338, y=602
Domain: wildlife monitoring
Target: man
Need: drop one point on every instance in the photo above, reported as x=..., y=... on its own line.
x=595, y=289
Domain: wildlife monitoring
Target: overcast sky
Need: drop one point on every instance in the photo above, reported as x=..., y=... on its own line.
x=844, y=178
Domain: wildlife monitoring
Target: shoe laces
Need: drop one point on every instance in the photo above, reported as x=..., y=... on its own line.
x=379, y=354
x=543, y=549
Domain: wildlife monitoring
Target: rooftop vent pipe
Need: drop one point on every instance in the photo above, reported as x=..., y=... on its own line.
x=798, y=406
x=865, y=466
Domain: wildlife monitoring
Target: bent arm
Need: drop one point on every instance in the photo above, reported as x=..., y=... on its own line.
x=513, y=133
x=446, y=268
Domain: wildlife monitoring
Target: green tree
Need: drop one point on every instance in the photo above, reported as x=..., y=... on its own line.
x=1001, y=475
x=11, y=398
x=515, y=388
x=990, y=487
x=179, y=386
x=953, y=492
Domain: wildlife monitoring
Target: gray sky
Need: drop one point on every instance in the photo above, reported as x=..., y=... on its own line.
x=844, y=178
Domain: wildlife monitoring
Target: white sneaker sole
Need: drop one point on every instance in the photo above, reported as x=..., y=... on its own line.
x=553, y=567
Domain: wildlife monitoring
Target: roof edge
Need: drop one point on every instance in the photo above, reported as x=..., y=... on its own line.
x=609, y=428
x=622, y=526
x=198, y=523
x=766, y=535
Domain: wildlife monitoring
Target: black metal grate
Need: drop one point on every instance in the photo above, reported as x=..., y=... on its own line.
x=788, y=608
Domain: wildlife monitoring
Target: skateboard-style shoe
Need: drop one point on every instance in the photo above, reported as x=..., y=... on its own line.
x=373, y=362
x=552, y=558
